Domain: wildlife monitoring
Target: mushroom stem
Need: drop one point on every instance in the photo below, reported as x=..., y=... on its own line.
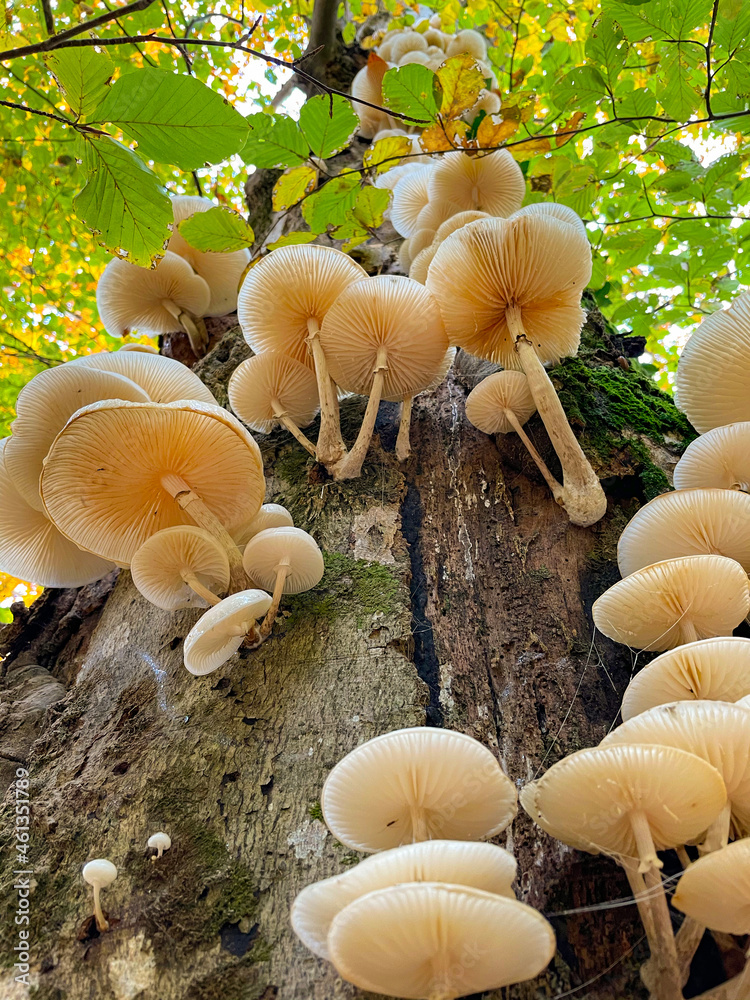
x=350, y=465
x=293, y=429
x=688, y=631
x=193, y=326
x=330, y=447
x=196, y=509
x=101, y=922
x=648, y=893
x=278, y=589
x=403, y=444
x=208, y=595
x=557, y=490
x=682, y=854
x=718, y=833
x=583, y=496
x=644, y=842
x=419, y=829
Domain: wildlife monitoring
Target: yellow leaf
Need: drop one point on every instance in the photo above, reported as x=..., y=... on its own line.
x=526, y=146
x=293, y=185
x=461, y=78
x=570, y=126
x=443, y=136
x=493, y=131
x=385, y=153
x=519, y=106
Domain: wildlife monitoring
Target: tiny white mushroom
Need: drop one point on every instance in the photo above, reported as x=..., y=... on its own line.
x=160, y=842
x=219, y=633
x=99, y=873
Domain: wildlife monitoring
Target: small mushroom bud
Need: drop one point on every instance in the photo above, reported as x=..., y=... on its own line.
x=160, y=842
x=99, y=873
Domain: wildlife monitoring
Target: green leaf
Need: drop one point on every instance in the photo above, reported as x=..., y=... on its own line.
x=292, y=186
x=580, y=88
x=732, y=26
x=370, y=206
x=292, y=239
x=722, y=175
x=275, y=141
x=327, y=125
x=631, y=247
x=6, y=616
x=329, y=206
x=219, y=230
x=174, y=118
x=123, y=202
x=606, y=47
x=658, y=19
x=82, y=75
x=636, y=104
x=680, y=97
x=410, y=90
x=386, y=153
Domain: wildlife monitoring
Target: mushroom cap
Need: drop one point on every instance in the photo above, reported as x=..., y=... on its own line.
x=471, y=42
x=555, y=210
x=686, y=523
x=370, y=797
x=458, y=221
x=272, y=548
x=270, y=515
x=99, y=872
x=407, y=41
x=102, y=480
x=159, y=840
x=414, y=56
x=708, y=670
x=435, y=38
x=585, y=800
x=160, y=564
x=719, y=458
x=716, y=731
x=413, y=940
x=367, y=86
x=492, y=183
x=44, y=406
x=539, y=264
x=129, y=297
x=650, y=608
x=420, y=265
x=140, y=348
x=487, y=402
x=481, y=866
x=272, y=377
x=222, y=272
x=411, y=195
x=419, y=242
x=488, y=101
x=435, y=214
x=286, y=289
x=163, y=379
x=390, y=178
x=715, y=889
x=392, y=312
x=711, y=383
x=214, y=639
x=31, y=547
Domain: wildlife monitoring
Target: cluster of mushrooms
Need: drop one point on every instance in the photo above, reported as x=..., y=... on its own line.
x=101, y=873
x=126, y=459
x=431, y=914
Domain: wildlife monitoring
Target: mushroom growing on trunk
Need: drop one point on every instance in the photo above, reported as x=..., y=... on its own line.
x=99, y=873
x=180, y=567
x=159, y=842
x=720, y=458
x=219, y=633
x=164, y=380
x=481, y=182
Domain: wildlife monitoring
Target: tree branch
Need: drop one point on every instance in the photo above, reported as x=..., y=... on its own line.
x=709, y=44
x=36, y=111
x=49, y=21
x=323, y=34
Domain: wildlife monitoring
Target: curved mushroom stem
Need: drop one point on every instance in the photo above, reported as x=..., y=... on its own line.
x=278, y=589
x=196, y=509
x=583, y=498
x=350, y=465
x=682, y=854
x=557, y=490
x=101, y=921
x=193, y=326
x=663, y=979
x=644, y=842
x=687, y=631
x=403, y=444
x=330, y=446
x=208, y=595
x=293, y=429
x=718, y=833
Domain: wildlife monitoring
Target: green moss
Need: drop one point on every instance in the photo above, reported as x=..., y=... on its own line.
x=315, y=812
x=367, y=587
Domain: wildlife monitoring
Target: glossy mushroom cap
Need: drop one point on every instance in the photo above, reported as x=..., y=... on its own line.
x=270, y=515
x=675, y=601
x=164, y=380
x=554, y=210
x=412, y=941
x=129, y=297
x=421, y=261
x=587, y=799
x=286, y=289
x=712, y=372
x=271, y=383
x=31, y=547
x=407, y=41
x=480, y=866
x=387, y=313
x=162, y=564
x=44, y=406
x=686, y=523
x=219, y=633
x=719, y=458
x=715, y=890
x=708, y=670
x=99, y=872
x=410, y=196
x=367, y=86
x=539, y=264
x=491, y=183
x=467, y=41
x=458, y=221
x=417, y=784
x=159, y=842
x=104, y=479
x=273, y=547
x=140, y=348
x=487, y=402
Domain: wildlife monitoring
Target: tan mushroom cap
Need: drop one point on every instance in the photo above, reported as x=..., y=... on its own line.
x=415, y=56
x=674, y=601
x=270, y=515
x=407, y=41
x=410, y=196
x=719, y=458
x=367, y=86
x=435, y=39
x=471, y=42
x=552, y=209
x=386, y=315
x=413, y=941
x=686, y=523
x=480, y=866
x=271, y=383
x=219, y=633
x=44, y=406
x=435, y=214
x=458, y=221
x=140, y=348
x=711, y=383
x=129, y=297
x=588, y=800
x=492, y=183
x=286, y=289
x=715, y=890
x=716, y=731
x=31, y=547
x=222, y=272
x=286, y=546
x=540, y=265
x=164, y=380
x=420, y=265
x=165, y=561
x=390, y=178
x=417, y=784
x=715, y=669
x=487, y=402
x=105, y=481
